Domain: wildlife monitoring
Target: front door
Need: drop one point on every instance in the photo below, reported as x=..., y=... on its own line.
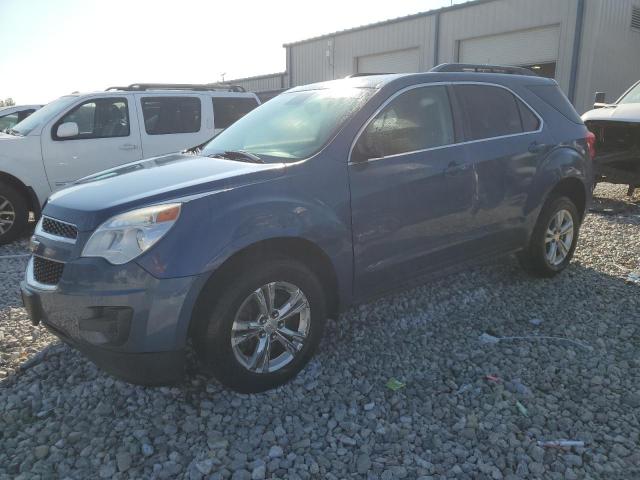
x=107, y=136
x=412, y=191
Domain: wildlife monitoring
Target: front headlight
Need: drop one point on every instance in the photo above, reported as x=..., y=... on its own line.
x=123, y=237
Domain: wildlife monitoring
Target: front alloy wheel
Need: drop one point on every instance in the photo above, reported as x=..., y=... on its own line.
x=7, y=215
x=259, y=322
x=270, y=327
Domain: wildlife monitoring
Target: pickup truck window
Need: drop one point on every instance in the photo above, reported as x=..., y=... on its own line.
x=632, y=96
x=228, y=110
x=97, y=118
x=415, y=120
x=291, y=126
x=167, y=115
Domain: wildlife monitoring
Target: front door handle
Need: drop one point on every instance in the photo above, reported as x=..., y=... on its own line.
x=454, y=168
x=128, y=146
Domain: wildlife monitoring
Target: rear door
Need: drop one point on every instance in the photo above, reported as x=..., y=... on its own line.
x=412, y=191
x=107, y=136
x=173, y=122
x=506, y=142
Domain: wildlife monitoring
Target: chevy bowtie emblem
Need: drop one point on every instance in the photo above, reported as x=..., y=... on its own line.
x=34, y=244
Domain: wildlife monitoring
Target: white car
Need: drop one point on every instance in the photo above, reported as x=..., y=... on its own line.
x=10, y=116
x=80, y=134
x=617, y=130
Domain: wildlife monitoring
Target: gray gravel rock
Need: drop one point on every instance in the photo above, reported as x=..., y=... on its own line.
x=63, y=417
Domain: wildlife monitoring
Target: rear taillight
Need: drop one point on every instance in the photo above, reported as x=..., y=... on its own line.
x=591, y=144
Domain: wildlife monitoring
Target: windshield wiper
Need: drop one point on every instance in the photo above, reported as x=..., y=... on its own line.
x=239, y=155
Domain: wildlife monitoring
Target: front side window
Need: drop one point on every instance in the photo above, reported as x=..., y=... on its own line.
x=228, y=110
x=293, y=125
x=416, y=120
x=97, y=118
x=632, y=96
x=166, y=115
x=493, y=112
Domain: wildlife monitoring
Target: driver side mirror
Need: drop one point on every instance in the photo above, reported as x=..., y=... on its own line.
x=68, y=129
x=600, y=100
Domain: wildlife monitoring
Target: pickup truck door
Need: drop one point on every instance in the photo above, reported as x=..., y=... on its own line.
x=107, y=136
x=173, y=122
x=412, y=191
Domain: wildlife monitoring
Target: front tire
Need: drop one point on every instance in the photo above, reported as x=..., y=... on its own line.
x=14, y=213
x=554, y=238
x=263, y=326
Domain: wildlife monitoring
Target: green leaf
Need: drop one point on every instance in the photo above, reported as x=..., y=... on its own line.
x=394, y=384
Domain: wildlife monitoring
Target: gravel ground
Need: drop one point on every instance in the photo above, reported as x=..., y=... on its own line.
x=470, y=408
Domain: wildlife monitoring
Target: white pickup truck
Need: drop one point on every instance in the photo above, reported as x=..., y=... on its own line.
x=80, y=134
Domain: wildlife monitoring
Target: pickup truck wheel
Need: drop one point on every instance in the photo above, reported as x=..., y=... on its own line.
x=264, y=326
x=554, y=238
x=14, y=213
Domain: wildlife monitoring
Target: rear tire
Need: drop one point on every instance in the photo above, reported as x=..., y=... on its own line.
x=14, y=213
x=554, y=238
x=249, y=342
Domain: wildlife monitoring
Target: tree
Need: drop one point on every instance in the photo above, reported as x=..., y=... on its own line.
x=8, y=102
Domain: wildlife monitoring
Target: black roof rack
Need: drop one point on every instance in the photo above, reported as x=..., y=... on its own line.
x=141, y=87
x=480, y=68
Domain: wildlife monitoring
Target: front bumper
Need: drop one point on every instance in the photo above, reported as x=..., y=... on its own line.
x=128, y=322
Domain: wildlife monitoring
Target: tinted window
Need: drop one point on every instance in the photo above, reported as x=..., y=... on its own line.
x=164, y=115
x=97, y=118
x=530, y=122
x=416, y=120
x=488, y=111
x=22, y=114
x=227, y=110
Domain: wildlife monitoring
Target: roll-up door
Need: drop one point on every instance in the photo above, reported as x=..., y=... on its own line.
x=400, y=61
x=538, y=45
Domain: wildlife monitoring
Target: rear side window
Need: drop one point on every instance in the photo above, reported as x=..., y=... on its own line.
x=166, y=115
x=227, y=110
x=415, y=120
x=488, y=111
x=553, y=96
x=97, y=118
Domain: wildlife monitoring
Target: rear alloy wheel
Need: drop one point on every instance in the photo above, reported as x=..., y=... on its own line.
x=263, y=323
x=554, y=238
x=14, y=213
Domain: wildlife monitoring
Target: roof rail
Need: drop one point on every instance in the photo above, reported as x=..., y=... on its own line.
x=141, y=87
x=362, y=74
x=480, y=68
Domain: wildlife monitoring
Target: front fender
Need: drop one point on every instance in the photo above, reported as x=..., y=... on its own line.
x=561, y=163
x=213, y=228
x=21, y=158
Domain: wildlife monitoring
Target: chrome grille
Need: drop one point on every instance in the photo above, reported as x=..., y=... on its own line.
x=58, y=228
x=47, y=272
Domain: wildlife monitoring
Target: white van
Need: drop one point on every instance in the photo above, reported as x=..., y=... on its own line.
x=80, y=134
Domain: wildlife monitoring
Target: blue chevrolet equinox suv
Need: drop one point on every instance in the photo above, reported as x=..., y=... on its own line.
x=325, y=196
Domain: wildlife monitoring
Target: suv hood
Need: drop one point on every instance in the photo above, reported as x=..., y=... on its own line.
x=626, y=112
x=90, y=201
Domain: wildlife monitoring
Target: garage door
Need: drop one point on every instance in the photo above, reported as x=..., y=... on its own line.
x=524, y=47
x=400, y=61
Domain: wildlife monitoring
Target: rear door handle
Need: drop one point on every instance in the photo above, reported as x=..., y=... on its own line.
x=454, y=168
x=128, y=146
x=536, y=147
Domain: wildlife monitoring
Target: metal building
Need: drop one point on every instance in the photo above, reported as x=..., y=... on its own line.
x=586, y=45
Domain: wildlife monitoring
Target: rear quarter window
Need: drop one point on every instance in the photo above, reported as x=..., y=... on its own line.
x=553, y=96
x=228, y=110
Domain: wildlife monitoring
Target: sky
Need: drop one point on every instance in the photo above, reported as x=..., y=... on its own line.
x=50, y=48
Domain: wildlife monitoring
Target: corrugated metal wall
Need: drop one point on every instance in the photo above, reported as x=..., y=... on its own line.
x=262, y=83
x=610, y=55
